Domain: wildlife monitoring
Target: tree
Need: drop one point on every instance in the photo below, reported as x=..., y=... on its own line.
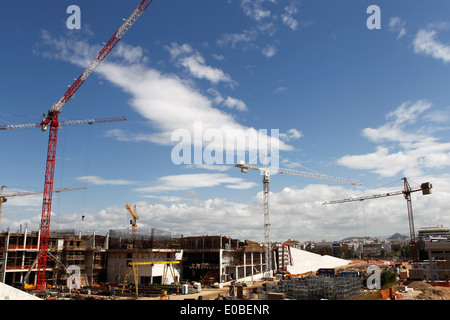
x=388, y=278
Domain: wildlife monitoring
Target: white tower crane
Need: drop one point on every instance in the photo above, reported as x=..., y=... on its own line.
x=426, y=190
x=266, y=171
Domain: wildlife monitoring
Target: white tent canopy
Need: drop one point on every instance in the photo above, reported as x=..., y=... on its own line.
x=11, y=293
x=304, y=261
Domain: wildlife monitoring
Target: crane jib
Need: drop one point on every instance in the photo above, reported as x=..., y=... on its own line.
x=100, y=57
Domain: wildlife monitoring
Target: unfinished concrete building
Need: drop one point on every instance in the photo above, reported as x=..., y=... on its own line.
x=438, y=265
x=105, y=259
x=211, y=259
x=157, y=255
x=19, y=253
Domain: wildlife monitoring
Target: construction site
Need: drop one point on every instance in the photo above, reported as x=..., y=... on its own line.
x=140, y=263
x=157, y=265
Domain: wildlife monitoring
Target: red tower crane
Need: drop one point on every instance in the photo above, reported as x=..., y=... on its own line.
x=48, y=186
x=424, y=187
x=51, y=119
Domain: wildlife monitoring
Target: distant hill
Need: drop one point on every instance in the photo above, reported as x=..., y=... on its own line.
x=398, y=236
x=358, y=238
x=395, y=236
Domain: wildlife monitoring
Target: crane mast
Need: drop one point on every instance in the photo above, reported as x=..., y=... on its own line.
x=266, y=172
x=134, y=221
x=51, y=120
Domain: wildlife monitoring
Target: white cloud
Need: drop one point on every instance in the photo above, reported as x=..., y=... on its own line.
x=299, y=213
x=218, y=57
x=193, y=61
x=280, y=90
x=233, y=39
x=129, y=53
x=254, y=9
x=266, y=23
x=269, y=51
x=233, y=103
x=296, y=213
x=406, y=114
x=288, y=16
x=167, y=198
x=404, y=146
x=291, y=134
x=396, y=24
x=209, y=167
x=425, y=43
x=228, y=102
x=100, y=181
x=21, y=201
x=198, y=180
x=167, y=101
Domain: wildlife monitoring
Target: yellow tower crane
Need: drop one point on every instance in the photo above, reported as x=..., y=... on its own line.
x=134, y=221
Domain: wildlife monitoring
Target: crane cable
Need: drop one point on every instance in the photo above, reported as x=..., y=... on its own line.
x=86, y=170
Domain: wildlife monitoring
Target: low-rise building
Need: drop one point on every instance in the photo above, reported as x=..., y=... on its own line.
x=432, y=234
x=372, y=250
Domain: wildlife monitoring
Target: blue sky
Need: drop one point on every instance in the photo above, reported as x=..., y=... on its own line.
x=347, y=101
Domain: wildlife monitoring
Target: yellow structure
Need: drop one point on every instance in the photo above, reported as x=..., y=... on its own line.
x=134, y=221
x=133, y=267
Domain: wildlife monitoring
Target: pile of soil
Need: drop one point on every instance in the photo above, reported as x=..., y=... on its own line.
x=435, y=293
x=419, y=285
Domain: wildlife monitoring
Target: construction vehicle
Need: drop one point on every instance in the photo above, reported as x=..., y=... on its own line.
x=426, y=190
x=266, y=172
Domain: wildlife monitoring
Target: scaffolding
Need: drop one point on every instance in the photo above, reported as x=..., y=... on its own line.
x=317, y=288
x=146, y=238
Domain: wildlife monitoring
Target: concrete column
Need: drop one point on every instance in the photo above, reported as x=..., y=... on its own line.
x=245, y=265
x=25, y=238
x=261, y=262
x=251, y=257
x=430, y=259
x=5, y=258
x=220, y=261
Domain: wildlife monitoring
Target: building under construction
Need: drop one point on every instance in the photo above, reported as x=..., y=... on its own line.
x=104, y=259
x=19, y=255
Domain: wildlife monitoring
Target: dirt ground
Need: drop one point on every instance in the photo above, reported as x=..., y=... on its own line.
x=425, y=291
x=205, y=294
x=210, y=294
